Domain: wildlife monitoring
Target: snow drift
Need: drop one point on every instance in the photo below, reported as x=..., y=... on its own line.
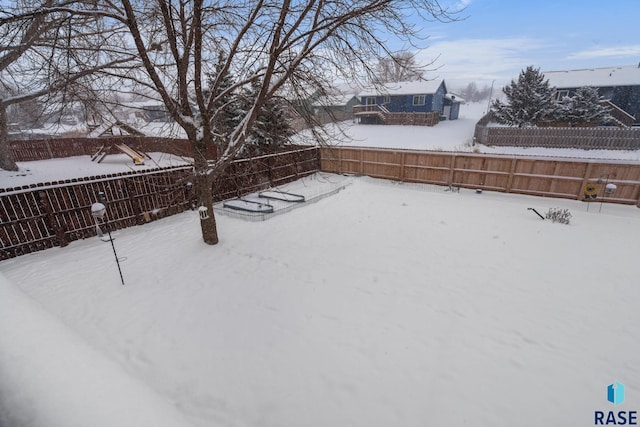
x=49, y=377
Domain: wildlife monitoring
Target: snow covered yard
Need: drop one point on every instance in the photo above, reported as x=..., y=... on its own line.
x=35, y=172
x=384, y=305
x=449, y=135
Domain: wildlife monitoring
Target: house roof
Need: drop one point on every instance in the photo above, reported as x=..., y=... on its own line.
x=333, y=100
x=595, y=77
x=454, y=98
x=422, y=87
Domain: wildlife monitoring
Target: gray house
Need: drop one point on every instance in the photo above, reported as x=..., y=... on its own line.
x=331, y=107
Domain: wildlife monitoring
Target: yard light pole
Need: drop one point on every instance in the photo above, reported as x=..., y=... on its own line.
x=490, y=95
x=99, y=213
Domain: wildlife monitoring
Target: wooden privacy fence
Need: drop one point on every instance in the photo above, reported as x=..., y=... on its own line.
x=41, y=216
x=597, y=138
x=551, y=177
x=43, y=149
x=377, y=113
x=412, y=119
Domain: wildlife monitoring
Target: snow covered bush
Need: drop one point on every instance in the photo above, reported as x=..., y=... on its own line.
x=582, y=109
x=562, y=216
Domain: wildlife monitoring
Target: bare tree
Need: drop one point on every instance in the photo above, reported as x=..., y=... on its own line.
x=399, y=67
x=474, y=94
x=52, y=50
x=286, y=48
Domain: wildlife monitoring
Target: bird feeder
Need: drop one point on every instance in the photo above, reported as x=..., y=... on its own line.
x=98, y=211
x=610, y=188
x=204, y=212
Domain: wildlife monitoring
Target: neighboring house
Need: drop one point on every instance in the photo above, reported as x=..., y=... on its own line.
x=148, y=111
x=408, y=97
x=335, y=104
x=334, y=107
x=619, y=85
x=309, y=105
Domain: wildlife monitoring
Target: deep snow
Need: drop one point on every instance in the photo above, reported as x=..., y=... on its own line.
x=384, y=305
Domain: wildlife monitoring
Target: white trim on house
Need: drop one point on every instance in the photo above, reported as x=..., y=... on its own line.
x=427, y=87
x=419, y=100
x=454, y=98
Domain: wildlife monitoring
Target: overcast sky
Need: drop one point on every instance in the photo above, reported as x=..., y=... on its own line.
x=498, y=38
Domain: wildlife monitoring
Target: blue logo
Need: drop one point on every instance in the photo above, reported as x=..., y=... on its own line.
x=615, y=393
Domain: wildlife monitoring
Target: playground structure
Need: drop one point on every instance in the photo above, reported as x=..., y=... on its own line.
x=112, y=148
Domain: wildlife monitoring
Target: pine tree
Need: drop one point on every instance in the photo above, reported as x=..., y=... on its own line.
x=530, y=100
x=227, y=109
x=583, y=109
x=271, y=128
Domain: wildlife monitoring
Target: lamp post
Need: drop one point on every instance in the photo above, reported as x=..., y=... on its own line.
x=490, y=95
x=99, y=213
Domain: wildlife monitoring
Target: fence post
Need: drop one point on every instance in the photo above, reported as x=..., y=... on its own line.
x=452, y=169
x=135, y=206
x=553, y=183
x=47, y=143
x=50, y=220
x=512, y=172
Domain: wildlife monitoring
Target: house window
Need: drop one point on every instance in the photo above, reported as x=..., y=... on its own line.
x=561, y=94
x=386, y=99
x=418, y=100
x=371, y=100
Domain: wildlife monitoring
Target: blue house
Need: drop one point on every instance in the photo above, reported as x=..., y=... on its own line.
x=407, y=97
x=618, y=85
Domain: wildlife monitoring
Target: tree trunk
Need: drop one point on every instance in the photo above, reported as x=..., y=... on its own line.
x=203, y=184
x=6, y=156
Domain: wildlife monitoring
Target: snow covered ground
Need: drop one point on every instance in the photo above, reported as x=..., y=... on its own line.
x=453, y=135
x=384, y=305
x=80, y=166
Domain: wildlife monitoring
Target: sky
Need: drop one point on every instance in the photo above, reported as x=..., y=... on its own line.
x=496, y=39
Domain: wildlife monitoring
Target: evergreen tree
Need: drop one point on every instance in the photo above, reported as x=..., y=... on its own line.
x=227, y=108
x=583, y=109
x=530, y=100
x=271, y=128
